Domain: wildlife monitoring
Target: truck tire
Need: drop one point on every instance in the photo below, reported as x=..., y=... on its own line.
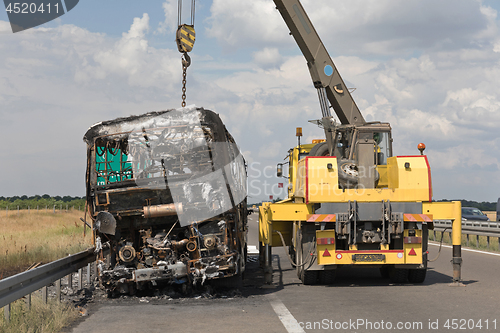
x=327, y=276
x=399, y=275
x=320, y=149
x=417, y=275
x=309, y=277
x=384, y=271
x=348, y=172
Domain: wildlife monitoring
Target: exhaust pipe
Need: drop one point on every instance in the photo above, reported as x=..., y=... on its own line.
x=162, y=210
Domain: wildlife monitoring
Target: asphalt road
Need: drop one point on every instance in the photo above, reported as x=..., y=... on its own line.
x=360, y=301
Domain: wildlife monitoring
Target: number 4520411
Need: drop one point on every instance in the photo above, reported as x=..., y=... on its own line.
x=464, y=324
x=31, y=8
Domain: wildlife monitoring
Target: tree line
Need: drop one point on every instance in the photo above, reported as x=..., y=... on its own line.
x=483, y=206
x=41, y=201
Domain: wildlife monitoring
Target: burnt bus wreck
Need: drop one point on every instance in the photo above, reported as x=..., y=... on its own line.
x=166, y=192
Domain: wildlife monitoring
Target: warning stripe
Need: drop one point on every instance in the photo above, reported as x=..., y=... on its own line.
x=321, y=218
x=186, y=36
x=418, y=217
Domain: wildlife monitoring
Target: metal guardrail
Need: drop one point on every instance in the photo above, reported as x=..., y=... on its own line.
x=22, y=284
x=479, y=228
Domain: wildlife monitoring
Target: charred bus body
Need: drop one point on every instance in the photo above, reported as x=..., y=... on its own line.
x=166, y=192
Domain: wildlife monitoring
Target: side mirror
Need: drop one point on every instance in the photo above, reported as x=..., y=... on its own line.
x=279, y=170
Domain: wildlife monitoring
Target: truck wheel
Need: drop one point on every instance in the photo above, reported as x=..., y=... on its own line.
x=398, y=275
x=320, y=149
x=309, y=277
x=348, y=171
x=384, y=271
x=417, y=275
x=327, y=276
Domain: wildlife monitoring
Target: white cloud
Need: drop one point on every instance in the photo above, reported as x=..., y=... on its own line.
x=358, y=26
x=246, y=23
x=127, y=55
x=272, y=150
x=267, y=57
x=170, y=23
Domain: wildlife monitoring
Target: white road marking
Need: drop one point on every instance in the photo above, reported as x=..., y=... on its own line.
x=289, y=321
x=467, y=249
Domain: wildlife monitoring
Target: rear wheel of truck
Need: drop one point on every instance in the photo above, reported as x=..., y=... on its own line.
x=417, y=275
x=327, y=276
x=309, y=277
x=384, y=271
x=398, y=275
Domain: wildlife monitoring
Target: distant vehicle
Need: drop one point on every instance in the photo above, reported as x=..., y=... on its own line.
x=473, y=214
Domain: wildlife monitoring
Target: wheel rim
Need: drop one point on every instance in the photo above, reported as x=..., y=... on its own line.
x=350, y=169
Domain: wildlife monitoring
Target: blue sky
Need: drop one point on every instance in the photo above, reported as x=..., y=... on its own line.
x=431, y=70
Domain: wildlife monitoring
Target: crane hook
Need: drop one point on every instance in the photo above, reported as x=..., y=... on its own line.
x=186, y=60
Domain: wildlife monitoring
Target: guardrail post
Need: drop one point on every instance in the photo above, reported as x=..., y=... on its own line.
x=80, y=279
x=58, y=290
x=44, y=295
x=6, y=313
x=28, y=302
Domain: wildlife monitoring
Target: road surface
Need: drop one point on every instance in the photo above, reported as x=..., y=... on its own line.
x=360, y=301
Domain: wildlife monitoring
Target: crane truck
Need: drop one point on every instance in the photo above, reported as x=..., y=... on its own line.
x=351, y=202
